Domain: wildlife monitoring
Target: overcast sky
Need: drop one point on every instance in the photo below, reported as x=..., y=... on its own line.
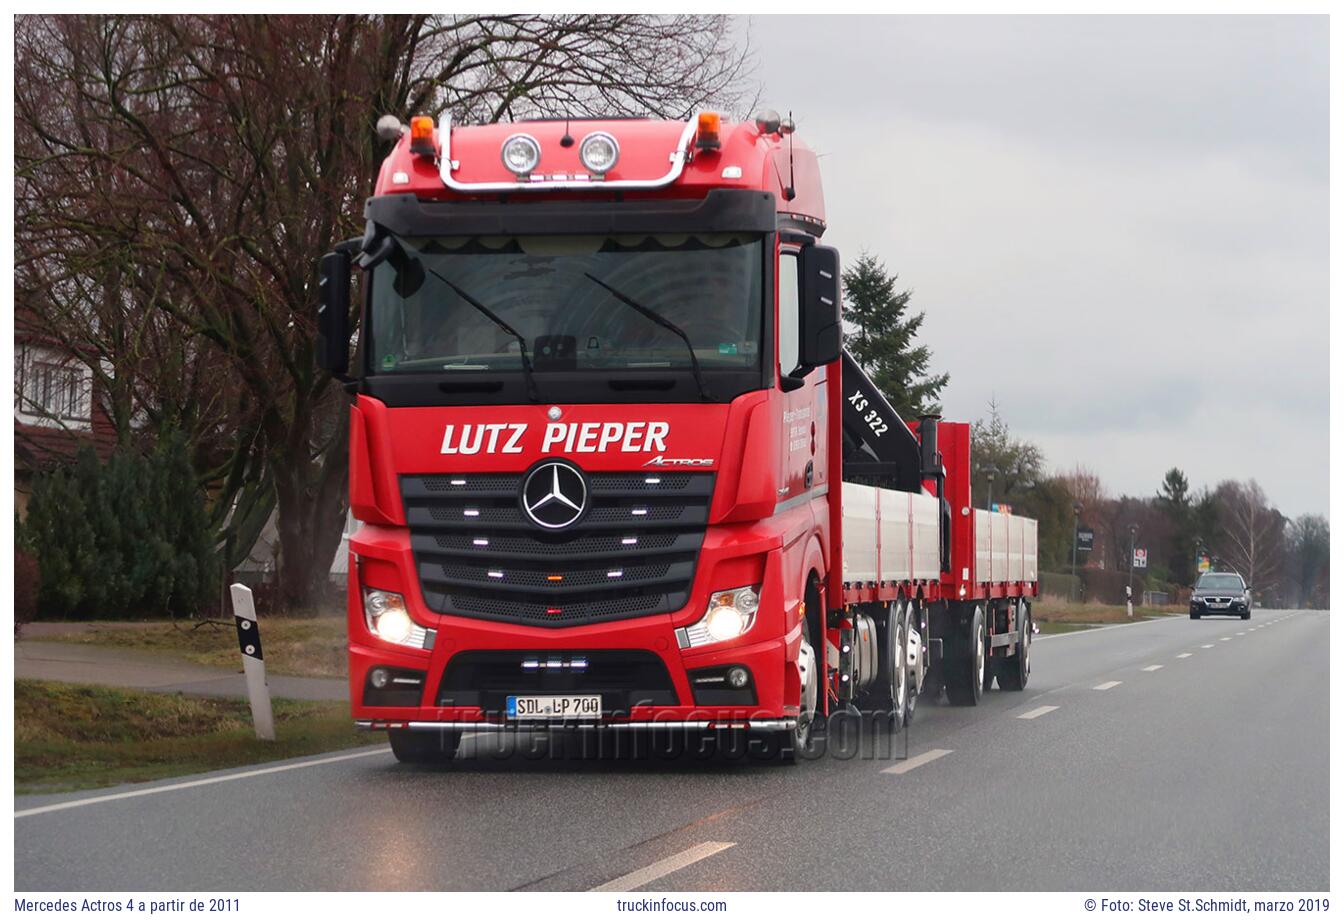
x=1118, y=226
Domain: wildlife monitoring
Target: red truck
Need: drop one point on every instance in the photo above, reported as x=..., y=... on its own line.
x=613, y=467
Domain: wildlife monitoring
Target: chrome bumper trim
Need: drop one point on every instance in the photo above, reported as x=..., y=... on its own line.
x=757, y=725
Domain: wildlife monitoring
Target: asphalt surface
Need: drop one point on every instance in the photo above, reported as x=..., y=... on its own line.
x=118, y=667
x=1202, y=766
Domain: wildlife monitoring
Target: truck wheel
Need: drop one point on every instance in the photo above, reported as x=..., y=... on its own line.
x=913, y=660
x=890, y=692
x=965, y=672
x=785, y=744
x=1014, y=671
x=423, y=747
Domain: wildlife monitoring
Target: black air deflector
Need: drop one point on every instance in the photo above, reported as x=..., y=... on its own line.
x=879, y=450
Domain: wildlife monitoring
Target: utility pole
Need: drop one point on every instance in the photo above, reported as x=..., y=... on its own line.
x=1077, y=510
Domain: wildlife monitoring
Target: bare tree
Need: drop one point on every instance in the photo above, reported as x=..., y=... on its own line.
x=1250, y=536
x=178, y=177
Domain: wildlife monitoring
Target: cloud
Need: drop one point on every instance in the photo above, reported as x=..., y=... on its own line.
x=1118, y=226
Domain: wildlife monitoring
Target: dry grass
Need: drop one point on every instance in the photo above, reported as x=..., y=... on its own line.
x=1049, y=609
x=311, y=647
x=71, y=736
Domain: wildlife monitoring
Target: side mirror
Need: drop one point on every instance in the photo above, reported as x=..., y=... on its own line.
x=333, y=313
x=819, y=339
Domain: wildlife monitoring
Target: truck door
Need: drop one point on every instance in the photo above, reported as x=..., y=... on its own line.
x=803, y=409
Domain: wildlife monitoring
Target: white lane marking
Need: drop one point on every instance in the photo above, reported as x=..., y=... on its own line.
x=1241, y=634
x=136, y=793
x=1091, y=632
x=1210, y=645
x=919, y=760
x=1108, y=685
x=1153, y=667
x=1185, y=654
x=1225, y=639
x=1037, y=712
x=640, y=877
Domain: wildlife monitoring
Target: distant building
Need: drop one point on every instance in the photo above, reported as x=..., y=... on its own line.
x=57, y=410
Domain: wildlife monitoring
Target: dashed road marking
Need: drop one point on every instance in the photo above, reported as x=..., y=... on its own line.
x=1241, y=634
x=247, y=774
x=1153, y=667
x=1037, y=712
x=1108, y=685
x=1210, y=645
x=919, y=760
x=1185, y=654
x=1225, y=639
x=666, y=866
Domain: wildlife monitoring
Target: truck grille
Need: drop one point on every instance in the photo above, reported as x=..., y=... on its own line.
x=633, y=554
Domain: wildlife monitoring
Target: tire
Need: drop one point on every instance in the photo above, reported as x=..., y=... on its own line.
x=965, y=673
x=1246, y=615
x=913, y=653
x=1194, y=614
x=1014, y=671
x=784, y=745
x=891, y=691
x=423, y=747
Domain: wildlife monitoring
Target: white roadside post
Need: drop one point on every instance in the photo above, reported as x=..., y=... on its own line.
x=249, y=643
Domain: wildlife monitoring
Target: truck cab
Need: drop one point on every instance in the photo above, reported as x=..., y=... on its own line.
x=588, y=437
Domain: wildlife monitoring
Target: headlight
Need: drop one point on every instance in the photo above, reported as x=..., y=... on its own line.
x=599, y=152
x=386, y=616
x=1196, y=599
x=730, y=614
x=521, y=154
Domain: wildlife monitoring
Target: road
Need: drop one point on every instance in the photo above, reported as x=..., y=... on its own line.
x=1166, y=755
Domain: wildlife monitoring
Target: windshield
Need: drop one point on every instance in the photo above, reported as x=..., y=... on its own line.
x=560, y=294
x=1220, y=582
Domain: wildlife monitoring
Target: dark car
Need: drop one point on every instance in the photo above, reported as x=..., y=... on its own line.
x=1221, y=593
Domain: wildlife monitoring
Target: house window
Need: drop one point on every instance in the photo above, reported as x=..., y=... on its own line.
x=51, y=390
x=54, y=390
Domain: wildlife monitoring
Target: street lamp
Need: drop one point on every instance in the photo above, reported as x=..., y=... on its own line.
x=1077, y=510
x=1129, y=588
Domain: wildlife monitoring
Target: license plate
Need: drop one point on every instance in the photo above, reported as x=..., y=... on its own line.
x=554, y=707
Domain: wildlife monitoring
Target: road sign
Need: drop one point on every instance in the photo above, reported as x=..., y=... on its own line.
x=1140, y=557
x=1085, y=539
x=1203, y=563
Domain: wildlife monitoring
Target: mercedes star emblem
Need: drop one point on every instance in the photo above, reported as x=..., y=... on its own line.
x=554, y=494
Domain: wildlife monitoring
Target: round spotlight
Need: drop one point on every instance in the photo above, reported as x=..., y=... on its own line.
x=379, y=678
x=767, y=121
x=738, y=677
x=521, y=154
x=599, y=152
x=394, y=625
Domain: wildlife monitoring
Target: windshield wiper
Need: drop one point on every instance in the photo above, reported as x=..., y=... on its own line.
x=522, y=342
x=666, y=324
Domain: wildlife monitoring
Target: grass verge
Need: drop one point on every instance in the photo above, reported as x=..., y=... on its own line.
x=72, y=736
x=310, y=647
x=1047, y=609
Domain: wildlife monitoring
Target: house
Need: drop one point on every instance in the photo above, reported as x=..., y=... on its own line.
x=57, y=410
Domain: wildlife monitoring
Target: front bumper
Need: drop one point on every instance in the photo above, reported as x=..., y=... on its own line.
x=768, y=651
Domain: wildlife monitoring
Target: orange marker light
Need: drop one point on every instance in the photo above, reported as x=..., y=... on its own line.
x=707, y=131
x=555, y=578
x=422, y=136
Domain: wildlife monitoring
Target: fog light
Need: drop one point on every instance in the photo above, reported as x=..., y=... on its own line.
x=379, y=678
x=738, y=677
